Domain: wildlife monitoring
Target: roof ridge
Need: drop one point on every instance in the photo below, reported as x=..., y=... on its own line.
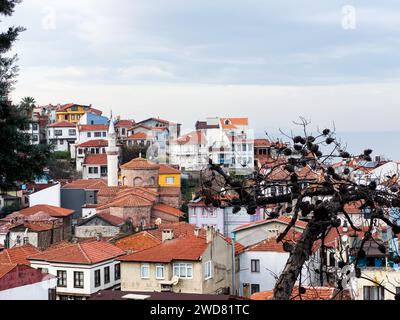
x=84, y=253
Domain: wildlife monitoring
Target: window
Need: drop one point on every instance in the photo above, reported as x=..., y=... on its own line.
x=97, y=134
x=107, y=275
x=35, y=127
x=80, y=151
x=204, y=212
x=145, y=271
x=170, y=180
x=26, y=240
x=160, y=271
x=52, y=294
x=183, y=270
x=89, y=134
x=374, y=293
x=93, y=170
x=78, y=279
x=61, y=142
x=208, y=270
x=74, y=108
x=73, y=117
x=97, y=278
x=72, y=132
x=58, y=132
x=213, y=212
x=104, y=134
x=61, y=278
x=117, y=272
x=244, y=147
x=255, y=288
x=123, y=131
x=255, y=265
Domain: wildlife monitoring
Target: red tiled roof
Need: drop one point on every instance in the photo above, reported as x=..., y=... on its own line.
x=312, y=293
x=91, y=184
x=94, y=143
x=262, y=143
x=166, y=169
x=36, y=226
x=239, y=248
x=5, y=268
x=234, y=122
x=138, y=136
x=195, y=137
x=353, y=207
x=140, y=164
x=127, y=201
x=114, y=220
x=18, y=255
x=282, y=219
x=188, y=248
x=137, y=242
x=96, y=159
x=124, y=123
x=63, y=124
x=51, y=210
x=168, y=209
x=80, y=253
x=93, y=127
x=179, y=228
x=95, y=111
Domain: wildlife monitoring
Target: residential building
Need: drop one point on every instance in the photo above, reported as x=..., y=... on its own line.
x=62, y=135
x=95, y=166
x=222, y=218
x=92, y=119
x=122, y=127
x=97, y=146
x=311, y=293
x=73, y=112
x=169, y=176
x=82, y=269
x=99, y=225
x=18, y=255
x=22, y=282
x=91, y=132
x=190, y=151
x=49, y=194
x=189, y=264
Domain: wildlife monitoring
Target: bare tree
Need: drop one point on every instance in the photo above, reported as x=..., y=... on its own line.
x=301, y=182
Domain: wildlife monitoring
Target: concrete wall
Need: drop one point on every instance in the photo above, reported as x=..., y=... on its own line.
x=73, y=199
x=36, y=291
x=93, y=231
x=50, y=196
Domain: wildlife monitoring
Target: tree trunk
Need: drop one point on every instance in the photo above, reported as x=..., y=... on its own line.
x=301, y=253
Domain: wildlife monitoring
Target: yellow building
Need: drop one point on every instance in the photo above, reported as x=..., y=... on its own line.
x=73, y=112
x=169, y=177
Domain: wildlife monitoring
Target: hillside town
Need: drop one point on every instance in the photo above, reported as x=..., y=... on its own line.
x=126, y=222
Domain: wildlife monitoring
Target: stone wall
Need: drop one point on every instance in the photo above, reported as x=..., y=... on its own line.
x=140, y=178
x=93, y=231
x=136, y=214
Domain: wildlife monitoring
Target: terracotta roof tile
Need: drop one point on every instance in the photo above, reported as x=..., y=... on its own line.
x=18, y=255
x=93, y=184
x=80, y=253
x=282, y=219
x=64, y=124
x=124, y=123
x=127, y=201
x=94, y=143
x=195, y=137
x=137, y=242
x=168, y=209
x=92, y=127
x=166, y=169
x=51, y=210
x=93, y=159
x=140, y=164
x=312, y=293
x=179, y=228
x=5, y=268
x=114, y=220
x=189, y=248
x=233, y=122
x=262, y=143
x=139, y=136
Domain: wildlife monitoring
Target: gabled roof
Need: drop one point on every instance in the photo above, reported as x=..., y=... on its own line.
x=312, y=293
x=51, y=210
x=127, y=201
x=35, y=226
x=139, y=136
x=64, y=124
x=100, y=159
x=124, y=123
x=80, y=253
x=137, y=242
x=179, y=228
x=281, y=219
x=262, y=143
x=166, y=169
x=188, y=248
x=233, y=123
x=168, y=209
x=6, y=268
x=91, y=184
x=195, y=137
x=140, y=164
x=92, y=127
x=94, y=143
x=18, y=255
x=157, y=119
x=108, y=218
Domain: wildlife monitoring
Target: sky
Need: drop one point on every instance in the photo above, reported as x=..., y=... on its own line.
x=334, y=62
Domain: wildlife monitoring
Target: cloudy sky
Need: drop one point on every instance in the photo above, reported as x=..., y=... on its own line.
x=272, y=61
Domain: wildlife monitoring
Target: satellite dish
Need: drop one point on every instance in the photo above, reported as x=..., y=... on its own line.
x=345, y=238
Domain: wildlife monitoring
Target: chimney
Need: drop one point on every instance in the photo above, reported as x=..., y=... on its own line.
x=210, y=234
x=197, y=231
x=167, y=234
x=99, y=237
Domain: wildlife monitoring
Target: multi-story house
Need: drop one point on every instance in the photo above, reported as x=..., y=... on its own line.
x=95, y=166
x=189, y=151
x=81, y=268
x=91, y=147
x=222, y=218
x=122, y=127
x=62, y=135
x=93, y=118
x=92, y=132
x=189, y=264
x=230, y=143
x=73, y=112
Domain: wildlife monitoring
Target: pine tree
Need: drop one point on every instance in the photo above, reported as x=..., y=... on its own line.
x=19, y=160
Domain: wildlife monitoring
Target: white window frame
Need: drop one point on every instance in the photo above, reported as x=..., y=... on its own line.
x=168, y=179
x=160, y=267
x=208, y=270
x=142, y=267
x=184, y=266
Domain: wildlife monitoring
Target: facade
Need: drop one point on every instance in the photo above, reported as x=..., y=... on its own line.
x=47, y=196
x=122, y=127
x=169, y=176
x=223, y=219
x=88, y=148
x=95, y=166
x=81, y=268
x=190, y=264
x=92, y=132
x=93, y=118
x=62, y=135
x=99, y=225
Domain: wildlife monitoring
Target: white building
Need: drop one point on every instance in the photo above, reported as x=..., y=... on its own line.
x=81, y=268
x=89, y=147
x=62, y=135
x=50, y=196
x=92, y=132
x=95, y=166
